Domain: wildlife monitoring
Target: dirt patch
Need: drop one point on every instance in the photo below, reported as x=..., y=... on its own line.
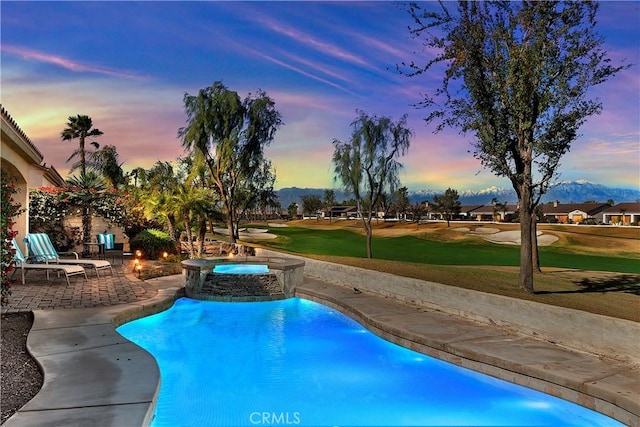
x=20, y=377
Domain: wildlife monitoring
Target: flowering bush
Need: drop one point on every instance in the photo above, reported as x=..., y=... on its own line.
x=9, y=210
x=48, y=206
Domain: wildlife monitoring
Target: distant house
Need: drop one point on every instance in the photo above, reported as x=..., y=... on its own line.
x=22, y=161
x=622, y=214
x=467, y=212
x=432, y=213
x=491, y=213
x=343, y=212
x=574, y=213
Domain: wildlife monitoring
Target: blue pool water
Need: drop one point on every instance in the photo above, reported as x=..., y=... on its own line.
x=296, y=362
x=241, y=269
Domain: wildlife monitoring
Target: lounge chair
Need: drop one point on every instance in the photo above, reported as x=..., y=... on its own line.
x=67, y=269
x=109, y=247
x=41, y=250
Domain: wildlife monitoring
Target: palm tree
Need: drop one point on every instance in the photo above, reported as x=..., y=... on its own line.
x=87, y=188
x=189, y=201
x=80, y=127
x=161, y=184
x=139, y=175
x=106, y=162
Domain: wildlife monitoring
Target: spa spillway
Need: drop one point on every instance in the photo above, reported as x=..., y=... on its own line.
x=241, y=278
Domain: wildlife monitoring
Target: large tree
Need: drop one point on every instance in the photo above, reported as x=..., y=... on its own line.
x=329, y=201
x=80, y=127
x=447, y=203
x=231, y=134
x=367, y=166
x=311, y=204
x=516, y=78
x=401, y=202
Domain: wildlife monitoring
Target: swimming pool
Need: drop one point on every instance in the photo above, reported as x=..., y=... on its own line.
x=296, y=362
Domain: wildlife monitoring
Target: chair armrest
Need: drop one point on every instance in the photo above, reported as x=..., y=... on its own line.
x=69, y=253
x=32, y=259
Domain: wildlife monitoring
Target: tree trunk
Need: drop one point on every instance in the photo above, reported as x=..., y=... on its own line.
x=83, y=160
x=535, y=259
x=187, y=227
x=230, y=221
x=86, y=228
x=202, y=233
x=367, y=227
x=171, y=225
x=526, y=265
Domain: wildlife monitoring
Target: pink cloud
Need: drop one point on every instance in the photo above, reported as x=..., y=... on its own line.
x=67, y=64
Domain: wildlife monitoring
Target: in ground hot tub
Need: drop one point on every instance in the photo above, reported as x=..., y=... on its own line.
x=241, y=269
x=241, y=278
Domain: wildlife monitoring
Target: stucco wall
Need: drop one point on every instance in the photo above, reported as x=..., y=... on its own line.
x=98, y=225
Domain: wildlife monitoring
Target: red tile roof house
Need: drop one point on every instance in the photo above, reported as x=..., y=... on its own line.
x=622, y=214
x=432, y=212
x=489, y=213
x=574, y=213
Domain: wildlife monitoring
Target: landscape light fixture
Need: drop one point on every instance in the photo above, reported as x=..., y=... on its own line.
x=137, y=263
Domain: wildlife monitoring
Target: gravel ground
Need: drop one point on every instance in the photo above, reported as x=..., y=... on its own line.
x=20, y=376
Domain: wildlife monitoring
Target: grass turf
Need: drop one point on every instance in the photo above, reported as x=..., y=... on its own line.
x=589, y=270
x=421, y=250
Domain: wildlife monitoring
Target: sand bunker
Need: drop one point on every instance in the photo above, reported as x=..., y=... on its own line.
x=494, y=235
x=485, y=230
x=248, y=234
x=513, y=238
x=462, y=229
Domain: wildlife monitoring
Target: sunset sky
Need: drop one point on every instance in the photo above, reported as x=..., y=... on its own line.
x=129, y=64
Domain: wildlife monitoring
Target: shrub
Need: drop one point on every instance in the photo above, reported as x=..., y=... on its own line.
x=10, y=209
x=153, y=243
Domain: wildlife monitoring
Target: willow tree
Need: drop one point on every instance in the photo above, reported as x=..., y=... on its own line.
x=80, y=127
x=367, y=164
x=231, y=134
x=516, y=79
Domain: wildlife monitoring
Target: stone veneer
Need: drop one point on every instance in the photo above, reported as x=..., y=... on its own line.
x=287, y=271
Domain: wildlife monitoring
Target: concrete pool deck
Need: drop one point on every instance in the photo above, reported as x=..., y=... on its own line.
x=93, y=376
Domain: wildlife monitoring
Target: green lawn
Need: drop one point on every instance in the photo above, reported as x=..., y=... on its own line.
x=412, y=249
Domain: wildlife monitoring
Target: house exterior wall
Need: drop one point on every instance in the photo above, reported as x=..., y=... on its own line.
x=21, y=159
x=98, y=225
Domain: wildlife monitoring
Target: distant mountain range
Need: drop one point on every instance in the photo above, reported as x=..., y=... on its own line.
x=564, y=192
